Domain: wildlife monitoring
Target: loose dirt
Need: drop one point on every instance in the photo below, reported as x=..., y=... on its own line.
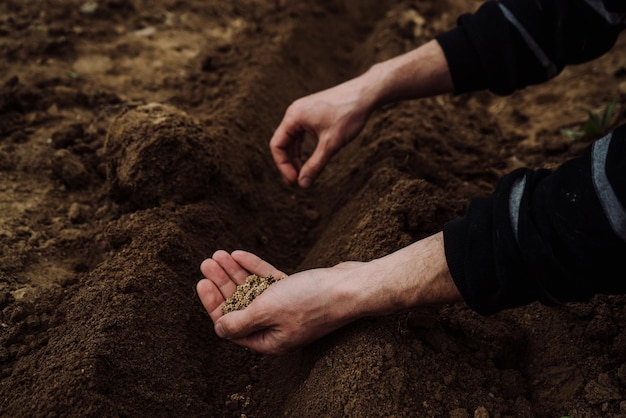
x=134, y=143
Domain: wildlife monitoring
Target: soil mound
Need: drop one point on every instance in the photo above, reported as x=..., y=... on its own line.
x=134, y=143
x=156, y=153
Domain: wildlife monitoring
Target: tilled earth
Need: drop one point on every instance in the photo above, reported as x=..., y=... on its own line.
x=134, y=143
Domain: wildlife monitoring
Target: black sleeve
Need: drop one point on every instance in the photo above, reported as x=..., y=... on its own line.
x=545, y=236
x=509, y=44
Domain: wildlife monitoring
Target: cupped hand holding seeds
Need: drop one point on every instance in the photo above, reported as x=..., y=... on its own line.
x=226, y=276
x=309, y=304
x=291, y=312
x=247, y=292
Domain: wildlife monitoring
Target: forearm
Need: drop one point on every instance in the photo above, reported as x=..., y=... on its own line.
x=419, y=73
x=413, y=276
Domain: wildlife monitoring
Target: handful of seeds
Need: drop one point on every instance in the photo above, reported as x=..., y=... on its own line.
x=245, y=293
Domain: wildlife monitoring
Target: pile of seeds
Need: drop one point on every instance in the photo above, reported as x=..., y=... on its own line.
x=247, y=292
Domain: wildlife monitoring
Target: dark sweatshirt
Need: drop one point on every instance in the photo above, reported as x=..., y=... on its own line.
x=548, y=236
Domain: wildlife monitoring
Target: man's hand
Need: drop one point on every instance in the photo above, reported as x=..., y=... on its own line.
x=310, y=304
x=225, y=273
x=290, y=313
x=333, y=117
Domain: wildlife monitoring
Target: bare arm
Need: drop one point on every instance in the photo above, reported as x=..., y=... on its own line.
x=309, y=304
x=422, y=72
x=336, y=115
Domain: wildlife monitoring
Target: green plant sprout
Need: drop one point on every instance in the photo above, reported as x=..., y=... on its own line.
x=596, y=125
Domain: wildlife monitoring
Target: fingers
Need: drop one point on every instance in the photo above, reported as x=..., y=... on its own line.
x=231, y=267
x=312, y=168
x=256, y=265
x=285, y=147
x=223, y=274
x=286, y=151
x=211, y=298
x=213, y=271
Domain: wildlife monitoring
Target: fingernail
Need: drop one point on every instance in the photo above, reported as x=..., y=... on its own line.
x=219, y=330
x=305, y=182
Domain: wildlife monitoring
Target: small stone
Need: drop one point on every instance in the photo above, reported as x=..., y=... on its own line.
x=89, y=7
x=32, y=321
x=449, y=379
x=481, y=412
x=68, y=136
x=77, y=213
x=70, y=169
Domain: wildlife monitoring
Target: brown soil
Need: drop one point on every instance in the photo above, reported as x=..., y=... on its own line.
x=134, y=143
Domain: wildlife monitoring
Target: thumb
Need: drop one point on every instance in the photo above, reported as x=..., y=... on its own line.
x=237, y=324
x=314, y=165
